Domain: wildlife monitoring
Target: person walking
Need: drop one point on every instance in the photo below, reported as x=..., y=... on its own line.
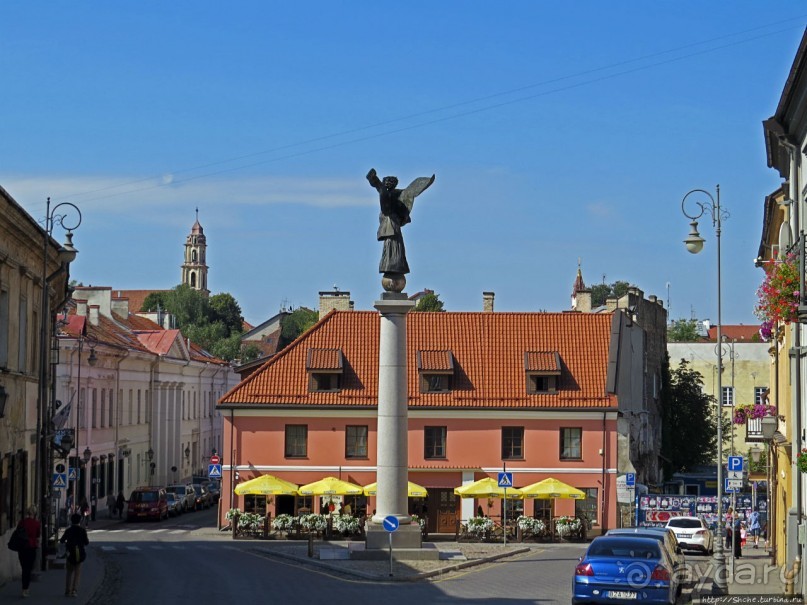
x=119, y=503
x=75, y=539
x=728, y=524
x=754, y=527
x=27, y=554
x=737, y=529
x=84, y=511
x=111, y=504
x=93, y=506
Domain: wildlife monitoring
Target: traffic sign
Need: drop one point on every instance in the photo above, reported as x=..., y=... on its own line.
x=214, y=471
x=505, y=479
x=71, y=473
x=735, y=475
x=59, y=480
x=390, y=523
x=735, y=463
x=733, y=486
x=630, y=479
x=214, y=459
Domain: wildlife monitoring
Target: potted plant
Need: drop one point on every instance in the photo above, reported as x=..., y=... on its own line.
x=530, y=526
x=778, y=296
x=480, y=526
x=742, y=413
x=567, y=526
x=801, y=460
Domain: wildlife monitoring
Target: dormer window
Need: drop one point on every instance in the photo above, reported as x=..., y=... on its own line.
x=436, y=371
x=542, y=369
x=324, y=367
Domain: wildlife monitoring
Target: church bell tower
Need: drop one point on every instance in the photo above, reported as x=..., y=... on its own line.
x=194, y=269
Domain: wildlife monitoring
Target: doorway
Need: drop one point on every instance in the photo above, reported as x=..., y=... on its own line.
x=442, y=511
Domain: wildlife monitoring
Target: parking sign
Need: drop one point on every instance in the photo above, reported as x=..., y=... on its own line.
x=735, y=463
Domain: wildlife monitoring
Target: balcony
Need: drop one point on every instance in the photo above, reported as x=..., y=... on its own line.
x=753, y=430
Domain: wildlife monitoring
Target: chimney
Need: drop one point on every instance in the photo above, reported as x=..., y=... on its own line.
x=94, y=314
x=81, y=307
x=120, y=306
x=334, y=300
x=582, y=301
x=487, y=301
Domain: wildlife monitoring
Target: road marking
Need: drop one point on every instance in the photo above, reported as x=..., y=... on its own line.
x=108, y=548
x=178, y=531
x=157, y=531
x=132, y=548
x=114, y=531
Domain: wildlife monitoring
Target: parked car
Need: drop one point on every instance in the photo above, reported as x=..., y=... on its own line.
x=692, y=534
x=666, y=537
x=625, y=568
x=186, y=493
x=147, y=503
x=215, y=490
x=203, y=499
x=175, y=504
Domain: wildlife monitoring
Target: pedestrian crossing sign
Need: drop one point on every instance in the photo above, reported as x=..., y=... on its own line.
x=505, y=479
x=214, y=471
x=71, y=474
x=59, y=480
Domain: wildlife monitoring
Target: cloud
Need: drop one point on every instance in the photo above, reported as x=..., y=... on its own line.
x=117, y=194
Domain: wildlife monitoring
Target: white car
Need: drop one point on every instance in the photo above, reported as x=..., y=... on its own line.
x=692, y=534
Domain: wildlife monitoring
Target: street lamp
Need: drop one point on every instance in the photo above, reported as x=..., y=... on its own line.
x=694, y=243
x=44, y=411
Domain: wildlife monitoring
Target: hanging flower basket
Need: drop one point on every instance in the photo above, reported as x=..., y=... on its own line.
x=742, y=413
x=778, y=296
x=801, y=460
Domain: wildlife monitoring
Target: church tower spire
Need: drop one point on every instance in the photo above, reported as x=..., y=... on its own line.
x=194, y=269
x=578, y=287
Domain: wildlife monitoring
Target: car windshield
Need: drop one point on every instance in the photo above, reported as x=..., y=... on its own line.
x=144, y=497
x=624, y=548
x=685, y=523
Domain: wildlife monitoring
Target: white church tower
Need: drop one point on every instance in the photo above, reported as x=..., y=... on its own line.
x=194, y=269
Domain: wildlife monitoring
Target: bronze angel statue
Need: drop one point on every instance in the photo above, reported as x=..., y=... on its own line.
x=396, y=207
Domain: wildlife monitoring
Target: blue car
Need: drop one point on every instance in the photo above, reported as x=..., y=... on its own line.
x=625, y=569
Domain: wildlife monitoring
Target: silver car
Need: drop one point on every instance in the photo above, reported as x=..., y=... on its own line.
x=175, y=504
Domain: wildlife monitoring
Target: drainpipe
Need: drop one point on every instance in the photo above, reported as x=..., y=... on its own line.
x=604, y=519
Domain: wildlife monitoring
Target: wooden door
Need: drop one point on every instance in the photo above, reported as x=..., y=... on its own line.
x=444, y=503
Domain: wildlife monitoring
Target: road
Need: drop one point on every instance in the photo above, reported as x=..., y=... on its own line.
x=182, y=561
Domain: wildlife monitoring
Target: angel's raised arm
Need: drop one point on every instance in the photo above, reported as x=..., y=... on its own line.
x=373, y=179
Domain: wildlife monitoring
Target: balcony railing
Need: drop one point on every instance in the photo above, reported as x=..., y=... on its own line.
x=753, y=429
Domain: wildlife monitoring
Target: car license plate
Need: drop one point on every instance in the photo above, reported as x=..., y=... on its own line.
x=622, y=594
x=684, y=535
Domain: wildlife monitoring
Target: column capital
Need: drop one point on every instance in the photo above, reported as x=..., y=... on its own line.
x=390, y=306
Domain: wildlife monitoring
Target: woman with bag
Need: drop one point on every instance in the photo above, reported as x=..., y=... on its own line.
x=75, y=539
x=27, y=552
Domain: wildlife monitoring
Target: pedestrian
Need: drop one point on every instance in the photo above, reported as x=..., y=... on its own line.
x=737, y=529
x=754, y=526
x=84, y=511
x=27, y=554
x=93, y=506
x=111, y=504
x=75, y=539
x=119, y=504
x=729, y=522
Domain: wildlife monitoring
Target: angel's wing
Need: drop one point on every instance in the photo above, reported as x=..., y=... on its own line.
x=417, y=187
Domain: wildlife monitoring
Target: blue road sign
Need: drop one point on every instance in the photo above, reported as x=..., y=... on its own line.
x=59, y=480
x=730, y=488
x=390, y=523
x=71, y=473
x=214, y=471
x=736, y=463
x=505, y=479
x=630, y=480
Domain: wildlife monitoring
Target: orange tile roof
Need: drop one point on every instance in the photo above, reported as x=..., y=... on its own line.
x=136, y=297
x=324, y=359
x=488, y=351
x=436, y=361
x=158, y=341
x=542, y=361
x=739, y=333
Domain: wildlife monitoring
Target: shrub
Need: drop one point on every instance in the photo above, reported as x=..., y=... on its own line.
x=567, y=526
x=346, y=524
x=531, y=525
x=313, y=522
x=283, y=523
x=479, y=526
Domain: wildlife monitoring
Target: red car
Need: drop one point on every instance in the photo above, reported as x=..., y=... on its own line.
x=147, y=503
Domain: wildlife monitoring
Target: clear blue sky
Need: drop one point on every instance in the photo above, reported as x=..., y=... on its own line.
x=557, y=131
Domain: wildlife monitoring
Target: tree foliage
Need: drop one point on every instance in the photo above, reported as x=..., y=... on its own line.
x=683, y=330
x=689, y=430
x=429, y=302
x=295, y=323
x=601, y=292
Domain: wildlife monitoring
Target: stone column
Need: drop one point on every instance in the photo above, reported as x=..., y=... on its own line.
x=393, y=417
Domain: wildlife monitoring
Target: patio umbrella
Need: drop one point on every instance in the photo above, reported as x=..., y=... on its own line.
x=267, y=485
x=487, y=488
x=552, y=488
x=414, y=490
x=330, y=486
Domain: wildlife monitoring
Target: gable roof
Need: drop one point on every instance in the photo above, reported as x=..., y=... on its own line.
x=488, y=353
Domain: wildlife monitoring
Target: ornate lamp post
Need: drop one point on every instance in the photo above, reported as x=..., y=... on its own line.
x=694, y=242
x=44, y=411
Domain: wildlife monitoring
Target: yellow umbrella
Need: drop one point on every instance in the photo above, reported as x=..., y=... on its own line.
x=487, y=488
x=330, y=486
x=415, y=490
x=267, y=485
x=552, y=488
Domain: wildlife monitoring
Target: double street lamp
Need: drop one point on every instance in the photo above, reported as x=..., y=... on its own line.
x=710, y=206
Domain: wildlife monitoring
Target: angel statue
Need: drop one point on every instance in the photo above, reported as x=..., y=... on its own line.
x=396, y=206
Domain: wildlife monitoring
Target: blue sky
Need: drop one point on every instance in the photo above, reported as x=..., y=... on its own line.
x=557, y=131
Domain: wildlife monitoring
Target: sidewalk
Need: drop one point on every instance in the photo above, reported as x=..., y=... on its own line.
x=48, y=586
x=751, y=574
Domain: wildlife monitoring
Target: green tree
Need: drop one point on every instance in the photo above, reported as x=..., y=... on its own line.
x=429, y=302
x=226, y=309
x=295, y=323
x=601, y=292
x=689, y=428
x=155, y=300
x=683, y=330
x=189, y=306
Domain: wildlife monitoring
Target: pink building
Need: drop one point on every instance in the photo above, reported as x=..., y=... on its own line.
x=539, y=393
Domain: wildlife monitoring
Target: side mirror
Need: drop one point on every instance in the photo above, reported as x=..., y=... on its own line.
x=579, y=559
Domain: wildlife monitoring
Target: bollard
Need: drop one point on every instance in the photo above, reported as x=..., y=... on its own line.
x=310, y=545
x=234, y=525
x=266, y=521
x=790, y=577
